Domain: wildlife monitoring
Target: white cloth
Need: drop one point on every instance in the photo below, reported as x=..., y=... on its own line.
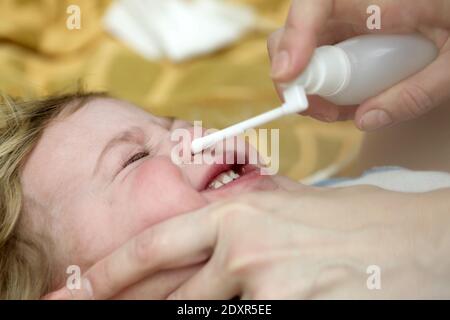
x=177, y=29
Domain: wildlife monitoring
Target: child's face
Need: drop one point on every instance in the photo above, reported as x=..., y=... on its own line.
x=91, y=181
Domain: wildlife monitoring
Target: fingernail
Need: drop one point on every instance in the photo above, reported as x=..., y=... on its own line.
x=375, y=119
x=280, y=64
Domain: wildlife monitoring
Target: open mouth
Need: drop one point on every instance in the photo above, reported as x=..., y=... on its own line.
x=229, y=175
x=235, y=166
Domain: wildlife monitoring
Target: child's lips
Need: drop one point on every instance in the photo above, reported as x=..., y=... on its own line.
x=233, y=171
x=249, y=174
x=212, y=173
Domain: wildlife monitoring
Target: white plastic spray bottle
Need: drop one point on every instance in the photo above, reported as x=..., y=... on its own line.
x=346, y=74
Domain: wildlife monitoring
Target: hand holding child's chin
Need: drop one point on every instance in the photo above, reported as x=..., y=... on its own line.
x=250, y=246
x=161, y=285
x=158, y=286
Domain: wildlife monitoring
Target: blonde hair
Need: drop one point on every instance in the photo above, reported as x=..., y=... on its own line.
x=25, y=264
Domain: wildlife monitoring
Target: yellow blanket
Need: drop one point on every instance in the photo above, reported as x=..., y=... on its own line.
x=40, y=56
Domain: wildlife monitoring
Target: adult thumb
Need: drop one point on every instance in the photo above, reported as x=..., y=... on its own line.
x=298, y=39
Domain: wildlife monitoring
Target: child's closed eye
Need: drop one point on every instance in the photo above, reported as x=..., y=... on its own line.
x=135, y=158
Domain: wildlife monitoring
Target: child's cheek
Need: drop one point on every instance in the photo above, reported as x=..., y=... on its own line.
x=160, y=190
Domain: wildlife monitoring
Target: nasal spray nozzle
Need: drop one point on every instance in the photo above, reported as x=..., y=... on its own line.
x=346, y=74
x=295, y=102
x=327, y=73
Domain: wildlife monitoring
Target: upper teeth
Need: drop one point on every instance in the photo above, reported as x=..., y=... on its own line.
x=223, y=179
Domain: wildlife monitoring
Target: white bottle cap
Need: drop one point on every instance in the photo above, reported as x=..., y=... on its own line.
x=295, y=100
x=328, y=72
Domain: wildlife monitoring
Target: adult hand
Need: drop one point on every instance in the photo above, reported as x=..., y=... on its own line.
x=289, y=244
x=120, y=276
x=313, y=23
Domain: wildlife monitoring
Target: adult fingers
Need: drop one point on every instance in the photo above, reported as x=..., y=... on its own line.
x=288, y=184
x=210, y=283
x=182, y=241
x=320, y=109
x=326, y=111
x=408, y=99
x=158, y=286
x=298, y=40
x=273, y=42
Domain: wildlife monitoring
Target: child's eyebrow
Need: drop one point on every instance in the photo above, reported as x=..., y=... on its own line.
x=134, y=135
